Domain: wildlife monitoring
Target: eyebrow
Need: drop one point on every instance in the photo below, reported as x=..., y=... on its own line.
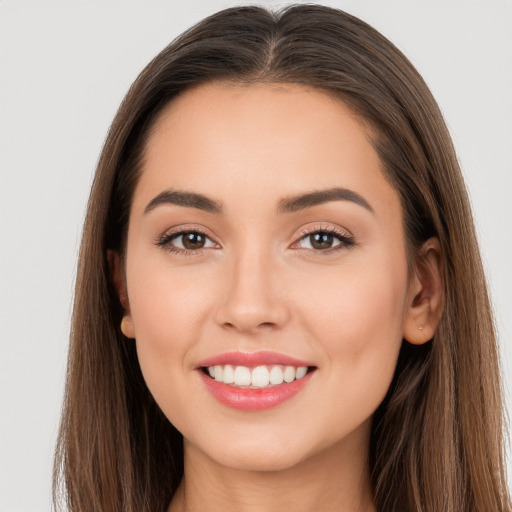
x=188, y=199
x=303, y=201
x=285, y=205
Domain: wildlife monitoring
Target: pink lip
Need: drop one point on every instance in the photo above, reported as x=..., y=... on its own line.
x=246, y=399
x=252, y=359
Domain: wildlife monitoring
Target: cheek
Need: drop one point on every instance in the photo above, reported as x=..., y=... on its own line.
x=357, y=302
x=168, y=308
x=357, y=316
x=167, y=303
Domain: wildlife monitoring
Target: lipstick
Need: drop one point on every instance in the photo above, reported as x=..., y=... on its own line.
x=254, y=381
x=252, y=359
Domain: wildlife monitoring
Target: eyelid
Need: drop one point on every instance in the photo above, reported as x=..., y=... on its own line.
x=164, y=239
x=187, y=228
x=345, y=237
x=325, y=229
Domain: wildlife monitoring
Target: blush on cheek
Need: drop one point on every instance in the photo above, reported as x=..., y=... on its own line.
x=361, y=328
x=167, y=314
x=361, y=310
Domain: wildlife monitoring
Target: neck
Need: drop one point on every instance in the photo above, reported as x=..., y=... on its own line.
x=336, y=479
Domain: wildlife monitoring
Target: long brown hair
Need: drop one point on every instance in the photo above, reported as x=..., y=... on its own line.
x=436, y=442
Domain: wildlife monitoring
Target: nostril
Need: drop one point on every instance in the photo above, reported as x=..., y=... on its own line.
x=248, y=326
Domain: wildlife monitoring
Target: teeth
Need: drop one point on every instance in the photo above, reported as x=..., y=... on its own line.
x=276, y=375
x=289, y=374
x=301, y=372
x=242, y=376
x=229, y=374
x=218, y=373
x=258, y=377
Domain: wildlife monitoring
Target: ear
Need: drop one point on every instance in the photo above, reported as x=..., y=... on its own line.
x=118, y=279
x=425, y=299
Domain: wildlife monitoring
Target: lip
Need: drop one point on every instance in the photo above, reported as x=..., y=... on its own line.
x=251, y=359
x=247, y=399
x=253, y=399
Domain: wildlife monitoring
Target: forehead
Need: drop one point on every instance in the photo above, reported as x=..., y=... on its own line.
x=253, y=144
x=256, y=114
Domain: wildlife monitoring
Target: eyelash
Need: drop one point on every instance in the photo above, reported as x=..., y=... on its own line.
x=165, y=242
x=346, y=241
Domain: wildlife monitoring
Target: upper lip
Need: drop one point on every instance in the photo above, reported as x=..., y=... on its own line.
x=260, y=358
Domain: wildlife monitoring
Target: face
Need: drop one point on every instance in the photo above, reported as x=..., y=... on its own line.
x=263, y=234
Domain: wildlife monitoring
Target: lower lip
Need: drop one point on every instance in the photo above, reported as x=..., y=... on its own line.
x=254, y=399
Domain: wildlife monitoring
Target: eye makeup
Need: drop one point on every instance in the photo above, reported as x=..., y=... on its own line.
x=322, y=240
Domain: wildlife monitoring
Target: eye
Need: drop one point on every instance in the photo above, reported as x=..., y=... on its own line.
x=186, y=241
x=325, y=240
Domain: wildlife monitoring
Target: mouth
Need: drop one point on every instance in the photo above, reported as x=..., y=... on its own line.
x=254, y=381
x=259, y=377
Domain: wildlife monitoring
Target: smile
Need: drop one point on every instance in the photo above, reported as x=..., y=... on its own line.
x=258, y=384
x=255, y=378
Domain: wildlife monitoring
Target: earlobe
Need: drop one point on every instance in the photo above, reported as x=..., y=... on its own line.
x=127, y=326
x=426, y=295
x=117, y=276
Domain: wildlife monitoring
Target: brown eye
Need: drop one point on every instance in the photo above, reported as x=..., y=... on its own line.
x=325, y=241
x=186, y=242
x=193, y=240
x=321, y=240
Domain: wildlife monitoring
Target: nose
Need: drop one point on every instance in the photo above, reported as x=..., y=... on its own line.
x=253, y=297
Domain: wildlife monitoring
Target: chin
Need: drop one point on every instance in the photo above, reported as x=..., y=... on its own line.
x=263, y=451
x=261, y=460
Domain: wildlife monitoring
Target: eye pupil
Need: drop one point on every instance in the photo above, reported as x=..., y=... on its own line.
x=193, y=240
x=321, y=240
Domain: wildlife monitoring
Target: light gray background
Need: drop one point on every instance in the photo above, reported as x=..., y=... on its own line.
x=65, y=66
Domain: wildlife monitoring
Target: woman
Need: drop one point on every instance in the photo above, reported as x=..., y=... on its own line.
x=280, y=301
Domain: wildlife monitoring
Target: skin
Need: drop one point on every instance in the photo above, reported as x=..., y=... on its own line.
x=259, y=284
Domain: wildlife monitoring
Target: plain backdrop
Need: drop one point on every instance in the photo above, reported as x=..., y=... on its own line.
x=66, y=65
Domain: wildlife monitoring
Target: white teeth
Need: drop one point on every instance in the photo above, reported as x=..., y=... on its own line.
x=258, y=377
x=242, y=376
x=229, y=374
x=276, y=375
x=289, y=374
x=301, y=372
x=218, y=372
